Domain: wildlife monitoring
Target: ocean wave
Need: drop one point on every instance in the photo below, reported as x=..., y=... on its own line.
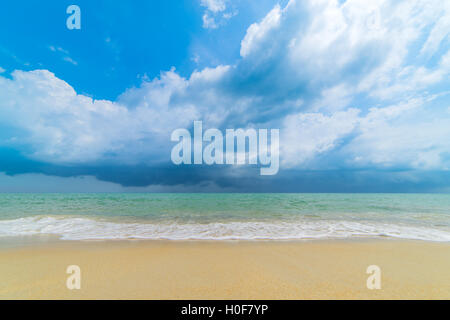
x=90, y=229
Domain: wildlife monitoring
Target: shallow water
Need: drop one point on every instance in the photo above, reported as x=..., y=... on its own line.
x=226, y=216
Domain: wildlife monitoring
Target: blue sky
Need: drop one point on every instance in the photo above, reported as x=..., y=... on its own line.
x=360, y=93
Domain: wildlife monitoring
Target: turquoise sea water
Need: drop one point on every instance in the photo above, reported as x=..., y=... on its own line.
x=226, y=216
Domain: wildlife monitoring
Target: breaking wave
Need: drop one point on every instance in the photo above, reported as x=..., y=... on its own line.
x=70, y=228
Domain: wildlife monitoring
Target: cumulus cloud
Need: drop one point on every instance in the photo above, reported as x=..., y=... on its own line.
x=402, y=136
x=58, y=125
x=341, y=56
x=258, y=32
x=307, y=135
x=351, y=84
x=397, y=136
x=370, y=48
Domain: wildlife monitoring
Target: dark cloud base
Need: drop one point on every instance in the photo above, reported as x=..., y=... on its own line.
x=242, y=179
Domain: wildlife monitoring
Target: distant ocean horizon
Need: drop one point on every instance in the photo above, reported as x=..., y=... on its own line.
x=225, y=216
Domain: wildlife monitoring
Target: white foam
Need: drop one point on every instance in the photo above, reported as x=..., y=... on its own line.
x=85, y=229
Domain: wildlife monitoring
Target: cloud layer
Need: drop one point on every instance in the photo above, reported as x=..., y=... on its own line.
x=352, y=85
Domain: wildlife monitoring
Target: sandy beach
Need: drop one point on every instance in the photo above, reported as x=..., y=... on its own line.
x=226, y=270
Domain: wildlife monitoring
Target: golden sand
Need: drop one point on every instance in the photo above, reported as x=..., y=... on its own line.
x=226, y=270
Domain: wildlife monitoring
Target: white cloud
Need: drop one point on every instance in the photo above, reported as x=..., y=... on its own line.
x=216, y=13
x=70, y=60
x=214, y=5
x=65, y=127
x=334, y=98
x=66, y=56
x=351, y=53
x=440, y=31
x=306, y=135
x=403, y=135
x=259, y=31
x=208, y=21
x=370, y=48
x=394, y=136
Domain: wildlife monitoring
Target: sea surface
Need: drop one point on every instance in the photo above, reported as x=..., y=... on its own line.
x=226, y=216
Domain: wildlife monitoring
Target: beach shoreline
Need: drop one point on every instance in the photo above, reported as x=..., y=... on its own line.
x=161, y=269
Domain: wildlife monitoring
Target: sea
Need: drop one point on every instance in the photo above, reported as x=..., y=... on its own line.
x=225, y=216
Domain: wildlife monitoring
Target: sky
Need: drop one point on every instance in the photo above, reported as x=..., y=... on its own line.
x=359, y=91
